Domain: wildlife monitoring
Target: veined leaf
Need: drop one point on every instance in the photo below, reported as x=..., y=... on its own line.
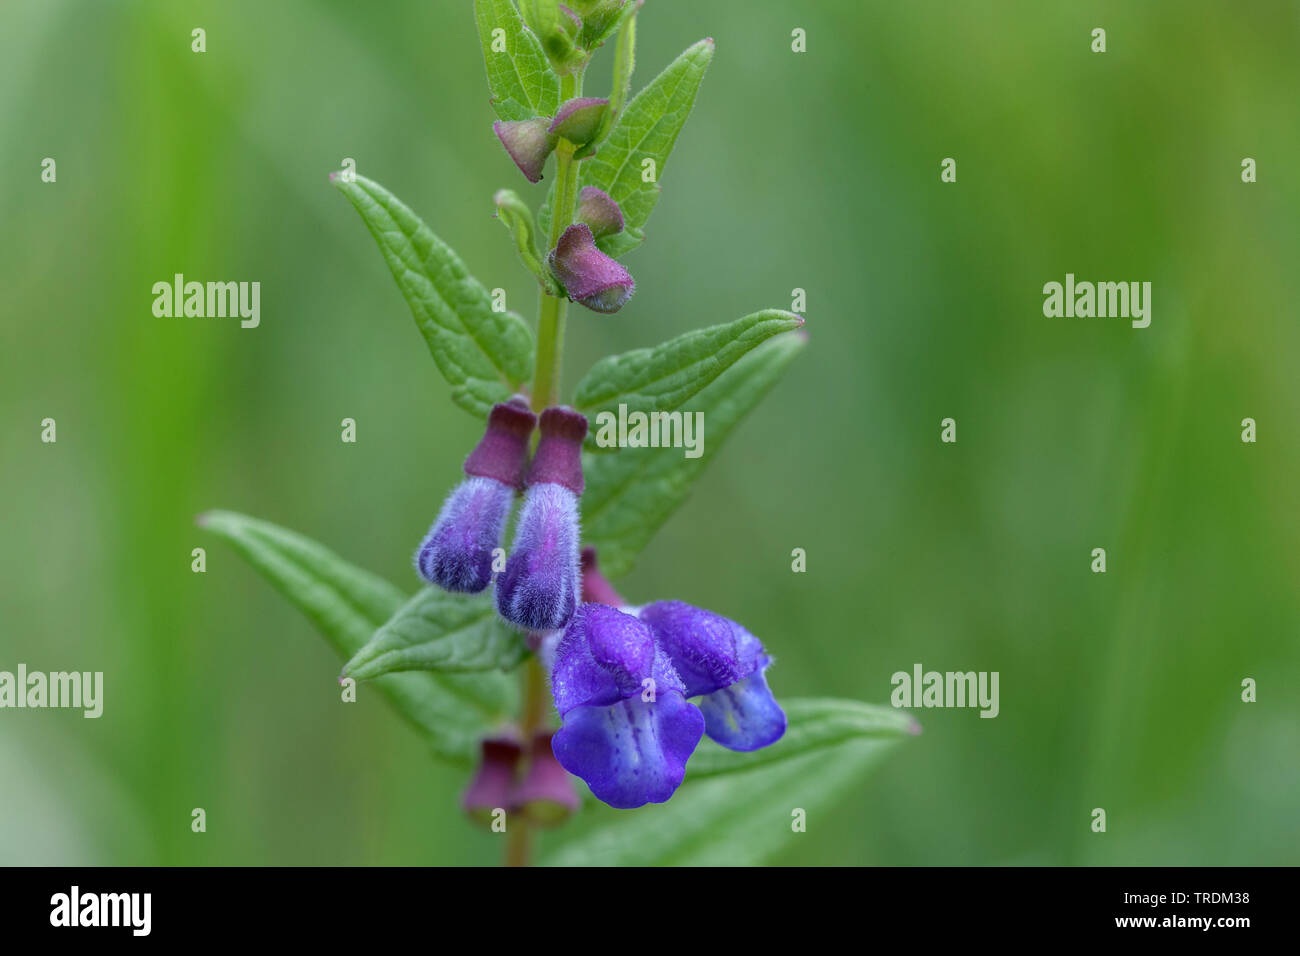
x=814, y=724
x=484, y=355
x=439, y=631
x=451, y=711
x=519, y=76
x=631, y=492
x=663, y=378
x=647, y=129
x=742, y=815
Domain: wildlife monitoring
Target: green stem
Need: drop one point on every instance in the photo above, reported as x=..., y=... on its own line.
x=554, y=309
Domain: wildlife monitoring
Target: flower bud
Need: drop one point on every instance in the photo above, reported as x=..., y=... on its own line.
x=578, y=119
x=493, y=786
x=595, y=588
x=538, y=590
x=546, y=793
x=601, y=214
x=588, y=275
x=457, y=552
x=529, y=142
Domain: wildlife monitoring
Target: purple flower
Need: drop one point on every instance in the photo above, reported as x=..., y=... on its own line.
x=457, y=552
x=599, y=212
x=538, y=590
x=722, y=664
x=628, y=730
x=529, y=142
x=587, y=274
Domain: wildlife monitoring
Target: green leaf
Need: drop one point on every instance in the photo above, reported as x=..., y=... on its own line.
x=346, y=603
x=647, y=129
x=518, y=220
x=484, y=355
x=439, y=631
x=741, y=815
x=665, y=377
x=522, y=82
x=814, y=724
x=631, y=492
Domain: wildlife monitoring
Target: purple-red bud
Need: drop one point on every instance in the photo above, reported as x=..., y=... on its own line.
x=596, y=589
x=529, y=142
x=503, y=450
x=493, y=785
x=558, y=459
x=546, y=794
x=588, y=275
x=578, y=119
x=599, y=212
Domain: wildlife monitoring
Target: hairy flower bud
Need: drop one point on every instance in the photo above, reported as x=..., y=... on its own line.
x=493, y=786
x=723, y=665
x=457, y=552
x=601, y=214
x=529, y=142
x=538, y=590
x=588, y=275
x=546, y=793
x=628, y=730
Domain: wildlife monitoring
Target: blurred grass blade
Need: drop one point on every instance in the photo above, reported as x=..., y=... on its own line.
x=347, y=604
x=484, y=355
x=519, y=76
x=737, y=819
x=666, y=376
x=815, y=724
x=631, y=492
x=439, y=631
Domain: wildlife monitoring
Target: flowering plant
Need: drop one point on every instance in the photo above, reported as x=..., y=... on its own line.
x=646, y=696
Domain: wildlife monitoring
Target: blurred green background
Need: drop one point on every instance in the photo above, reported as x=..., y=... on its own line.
x=817, y=170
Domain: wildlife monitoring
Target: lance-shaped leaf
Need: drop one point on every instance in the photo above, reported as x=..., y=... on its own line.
x=632, y=492
x=346, y=603
x=665, y=377
x=521, y=80
x=439, y=631
x=742, y=815
x=646, y=130
x=484, y=355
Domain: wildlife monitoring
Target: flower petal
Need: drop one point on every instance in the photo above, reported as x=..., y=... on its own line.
x=456, y=554
x=538, y=590
x=744, y=716
x=633, y=752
